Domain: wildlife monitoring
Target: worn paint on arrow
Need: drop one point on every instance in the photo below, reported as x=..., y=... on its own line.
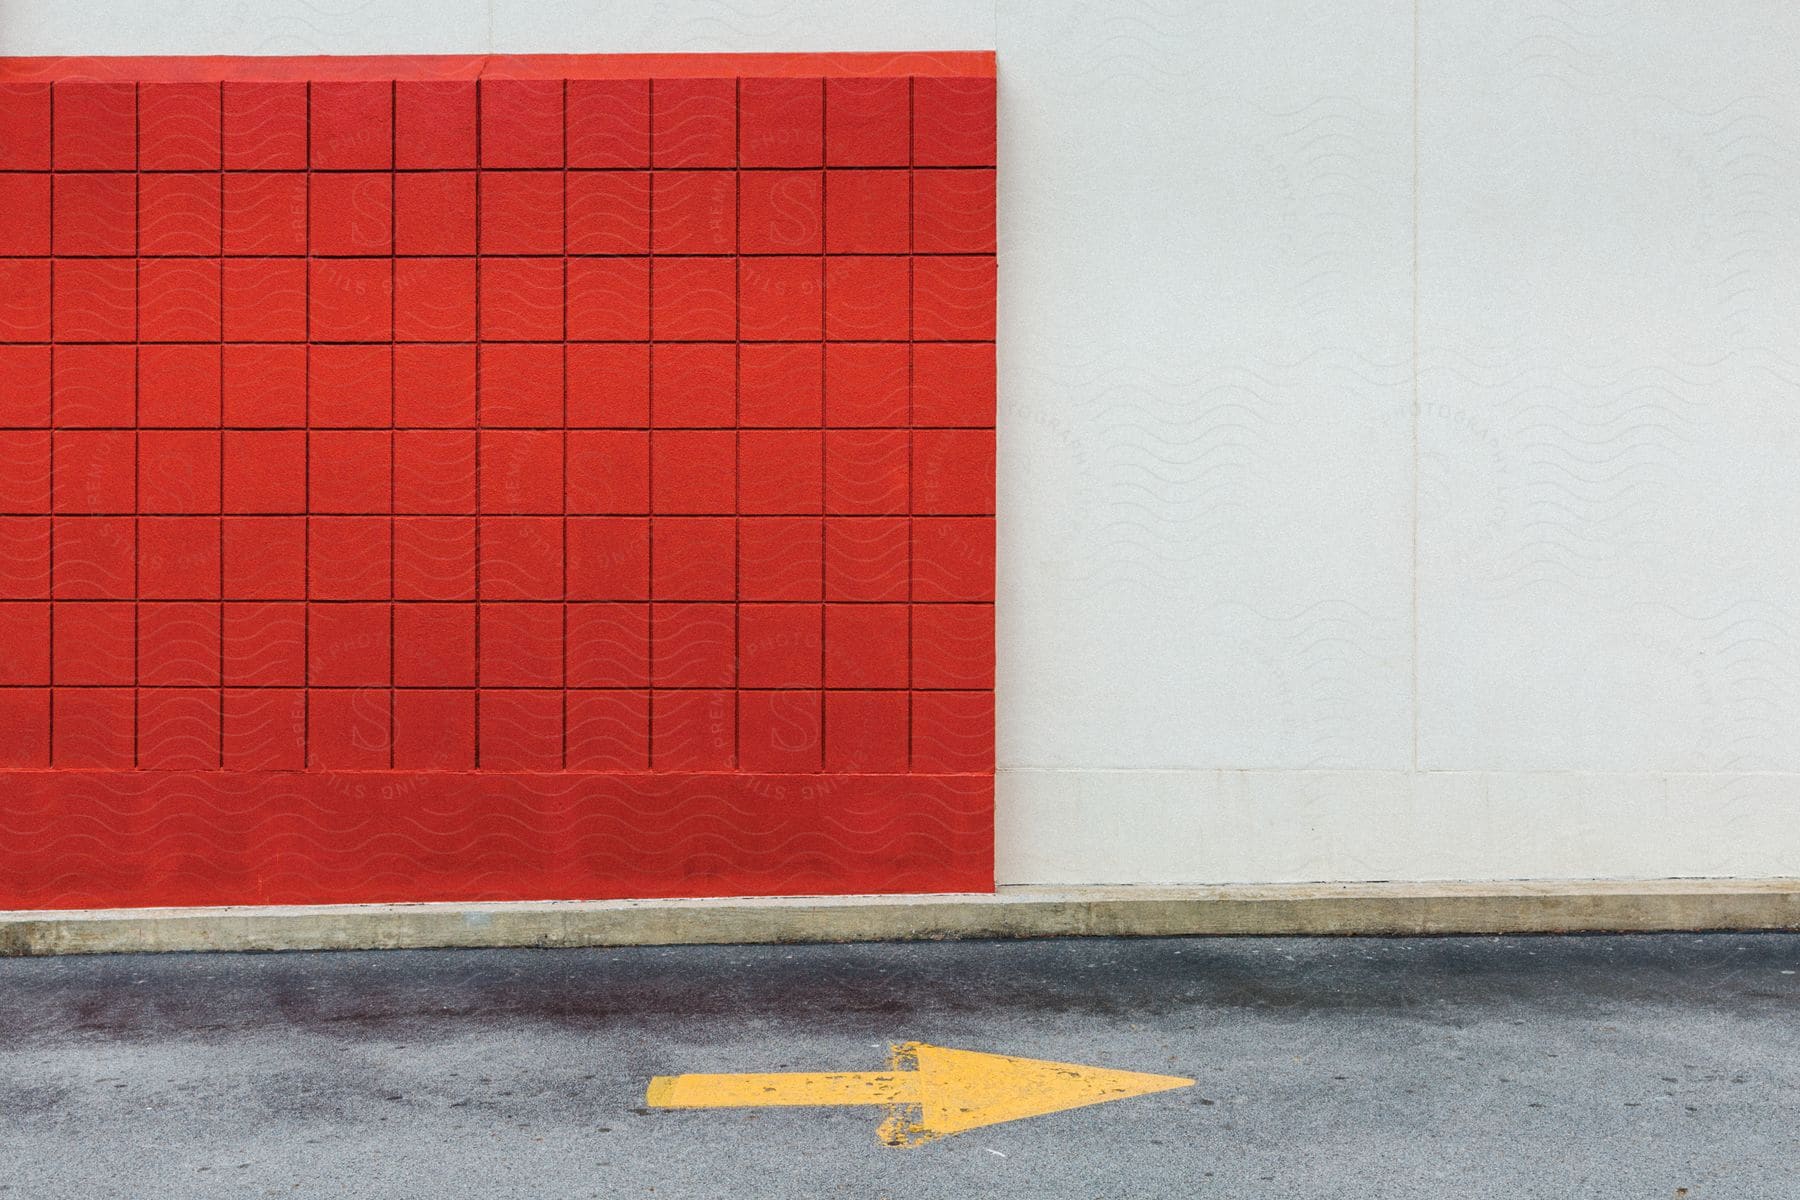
x=930, y=1091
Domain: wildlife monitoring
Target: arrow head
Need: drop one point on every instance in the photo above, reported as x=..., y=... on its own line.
x=965, y=1089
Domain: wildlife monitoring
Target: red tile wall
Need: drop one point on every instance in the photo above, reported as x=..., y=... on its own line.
x=417, y=486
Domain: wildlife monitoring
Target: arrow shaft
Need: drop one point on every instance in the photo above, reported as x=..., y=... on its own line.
x=802, y=1088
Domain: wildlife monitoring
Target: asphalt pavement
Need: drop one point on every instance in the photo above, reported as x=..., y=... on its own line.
x=1607, y=1067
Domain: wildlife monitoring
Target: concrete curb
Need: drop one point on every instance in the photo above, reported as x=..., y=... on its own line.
x=1634, y=906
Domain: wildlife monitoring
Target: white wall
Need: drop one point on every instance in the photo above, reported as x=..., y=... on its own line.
x=1399, y=412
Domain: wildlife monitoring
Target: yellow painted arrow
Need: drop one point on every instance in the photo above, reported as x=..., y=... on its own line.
x=930, y=1091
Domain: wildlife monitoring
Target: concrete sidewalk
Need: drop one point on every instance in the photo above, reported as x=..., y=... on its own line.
x=1469, y=1067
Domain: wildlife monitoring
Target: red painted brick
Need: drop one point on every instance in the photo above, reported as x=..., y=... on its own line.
x=178, y=471
x=953, y=384
x=779, y=731
x=779, y=471
x=867, y=558
x=434, y=386
x=694, y=299
x=521, y=730
x=350, y=299
x=608, y=731
x=264, y=644
x=434, y=558
x=95, y=126
x=265, y=558
x=349, y=558
x=95, y=471
x=26, y=383
x=25, y=471
x=348, y=645
x=264, y=213
x=265, y=299
x=349, y=386
x=178, y=644
x=521, y=558
x=866, y=383
x=434, y=730
x=953, y=471
x=434, y=471
x=779, y=558
x=609, y=646
x=434, y=299
x=96, y=298
x=609, y=471
x=608, y=212
x=608, y=558
x=178, y=729
x=953, y=646
x=780, y=299
x=350, y=471
x=522, y=645
x=779, y=645
x=866, y=122
x=779, y=385
x=521, y=212
x=351, y=213
x=24, y=643
x=953, y=298
x=265, y=126
x=95, y=213
x=521, y=299
x=434, y=213
x=92, y=727
x=693, y=730
x=953, y=122
x=434, y=123
x=608, y=299
x=178, y=558
x=180, y=214
x=953, y=558
x=521, y=471
x=693, y=212
x=179, y=126
x=352, y=125
x=692, y=558
x=780, y=122
x=608, y=122
x=24, y=126
x=25, y=311
x=693, y=645
x=26, y=200
x=25, y=557
x=866, y=731
x=178, y=386
x=953, y=212
x=521, y=122
x=522, y=386
x=264, y=729
x=25, y=727
x=694, y=386
x=96, y=642
x=349, y=729
x=868, y=212
x=94, y=557
x=694, y=122
x=434, y=645
x=609, y=386
x=866, y=471
x=780, y=212
x=265, y=471
x=865, y=645
x=953, y=731
x=693, y=471
x=865, y=298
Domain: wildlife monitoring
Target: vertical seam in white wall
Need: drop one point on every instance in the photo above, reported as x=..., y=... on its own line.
x=1415, y=386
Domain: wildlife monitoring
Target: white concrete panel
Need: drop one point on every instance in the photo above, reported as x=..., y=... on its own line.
x=239, y=27
x=1205, y=477
x=1609, y=268
x=584, y=26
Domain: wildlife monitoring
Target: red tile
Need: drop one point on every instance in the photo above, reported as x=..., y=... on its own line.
x=953, y=645
x=779, y=385
x=350, y=299
x=178, y=558
x=694, y=471
x=866, y=383
x=779, y=471
x=953, y=471
x=866, y=299
x=349, y=386
x=693, y=558
x=693, y=645
x=26, y=384
x=953, y=384
x=96, y=299
x=434, y=123
x=779, y=299
x=521, y=122
x=608, y=385
x=26, y=198
x=350, y=471
x=24, y=643
x=609, y=471
x=608, y=122
x=347, y=645
x=693, y=730
x=866, y=122
x=434, y=299
x=866, y=731
x=265, y=126
x=865, y=645
x=265, y=213
x=25, y=471
x=608, y=558
x=263, y=385
x=178, y=386
x=434, y=558
x=178, y=471
x=609, y=299
x=25, y=558
x=434, y=471
x=25, y=311
x=352, y=125
x=94, y=558
x=779, y=645
x=96, y=125
x=265, y=558
x=178, y=644
x=95, y=471
x=866, y=471
x=867, y=212
x=867, y=558
x=521, y=558
x=779, y=731
x=953, y=121
x=96, y=214
x=522, y=299
x=264, y=644
x=694, y=299
x=608, y=731
x=179, y=125
x=521, y=471
x=434, y=386
x=608, y=212
x=434, y=645
x=521, y=212
x=264, y=729
x=953, y=298
x=693, y=212
x=92, y=727
x=953, y=558
x=265, y=299
x=349, y=730
x=694, y=122
x=609, y=645
x=521, y=730
x=522, y=645
x=780, y=212
x=779, y=558
x=349, y=558
x=953, y=212
x=522, y=387
x=693, y=385
x=178, y=299
x=180, y=214
x=352, y=213
x=96, y=642
x=953, y=731
x=434, y=213
x=265, y=471
x=24, y=126
x=780, y=122
x=434, y=731
x=24, y=722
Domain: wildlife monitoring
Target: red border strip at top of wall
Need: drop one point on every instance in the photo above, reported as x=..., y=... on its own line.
x=331, y=68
